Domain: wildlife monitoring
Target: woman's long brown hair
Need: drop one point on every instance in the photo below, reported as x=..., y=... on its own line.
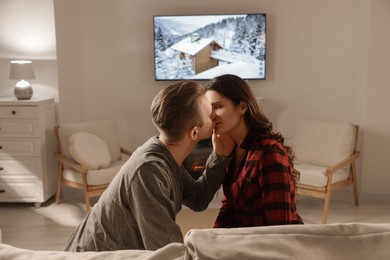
x=237, y=90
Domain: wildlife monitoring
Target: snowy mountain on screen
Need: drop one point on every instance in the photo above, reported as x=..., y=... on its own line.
x=242, y=38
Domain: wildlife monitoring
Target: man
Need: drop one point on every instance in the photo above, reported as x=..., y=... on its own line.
x=139, y=208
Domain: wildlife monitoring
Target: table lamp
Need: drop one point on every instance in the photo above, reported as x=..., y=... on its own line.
x=22, y=70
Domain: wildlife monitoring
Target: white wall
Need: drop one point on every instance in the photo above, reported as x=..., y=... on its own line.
x=325, y=59
x=27, y=31
x=312, y=57
x=376, y=143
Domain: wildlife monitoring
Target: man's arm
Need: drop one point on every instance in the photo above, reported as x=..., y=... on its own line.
x=197, y=194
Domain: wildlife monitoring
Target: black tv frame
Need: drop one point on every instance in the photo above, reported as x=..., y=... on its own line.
x=260, y=51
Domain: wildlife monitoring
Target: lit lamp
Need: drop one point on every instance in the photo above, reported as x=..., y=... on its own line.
x=22, y=70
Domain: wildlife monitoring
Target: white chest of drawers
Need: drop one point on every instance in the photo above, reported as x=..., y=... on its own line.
x=27, y=165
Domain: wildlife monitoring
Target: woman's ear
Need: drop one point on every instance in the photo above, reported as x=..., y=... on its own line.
x=194, y=133
x=243, y=107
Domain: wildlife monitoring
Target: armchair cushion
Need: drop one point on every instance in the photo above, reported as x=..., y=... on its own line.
x=89, y=150
x=103, y=129
x=323, y=143
x=316, y=175
x=95, y=177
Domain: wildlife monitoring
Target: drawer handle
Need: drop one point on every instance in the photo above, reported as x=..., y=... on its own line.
x=1, y=147
x=1, y=168
x=13, y=112
x=2, y=191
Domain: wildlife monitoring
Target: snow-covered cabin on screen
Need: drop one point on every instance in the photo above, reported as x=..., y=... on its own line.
x=199, y=51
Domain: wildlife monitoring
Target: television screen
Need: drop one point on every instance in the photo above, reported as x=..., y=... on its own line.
x=201, y=47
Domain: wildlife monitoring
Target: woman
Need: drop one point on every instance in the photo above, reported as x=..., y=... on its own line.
x=259, y=186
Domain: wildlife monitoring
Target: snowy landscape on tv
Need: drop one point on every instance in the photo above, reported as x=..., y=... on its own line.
x=201, y=47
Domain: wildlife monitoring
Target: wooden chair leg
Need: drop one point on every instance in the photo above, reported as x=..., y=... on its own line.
x=86, y=194
x=326, y=208
x=59, y=180
x=355, y=188
x=87, y=202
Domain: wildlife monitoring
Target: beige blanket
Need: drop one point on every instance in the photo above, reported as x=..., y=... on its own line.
x=332, y=241
x=174, y=251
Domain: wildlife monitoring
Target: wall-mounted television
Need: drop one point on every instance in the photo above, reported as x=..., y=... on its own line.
x=201, y=47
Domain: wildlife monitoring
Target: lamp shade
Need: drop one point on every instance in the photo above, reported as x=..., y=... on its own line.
x=21, y=69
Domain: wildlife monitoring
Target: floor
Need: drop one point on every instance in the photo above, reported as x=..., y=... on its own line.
x=48, y=227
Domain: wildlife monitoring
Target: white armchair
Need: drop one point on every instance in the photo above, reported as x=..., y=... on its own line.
x=325, y=155
x=89, y=156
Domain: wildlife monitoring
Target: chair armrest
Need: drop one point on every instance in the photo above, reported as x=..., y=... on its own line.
x=344, y=163
x=126, y=151
x=70, y=163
